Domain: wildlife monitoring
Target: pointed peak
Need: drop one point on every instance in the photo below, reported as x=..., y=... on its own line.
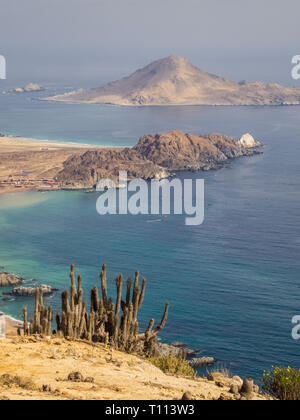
x=175, y=59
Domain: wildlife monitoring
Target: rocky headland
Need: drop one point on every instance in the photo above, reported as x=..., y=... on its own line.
x=31, y=165
x=155, y=157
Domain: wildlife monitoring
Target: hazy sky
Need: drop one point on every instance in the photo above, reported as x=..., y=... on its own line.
x=98, y=40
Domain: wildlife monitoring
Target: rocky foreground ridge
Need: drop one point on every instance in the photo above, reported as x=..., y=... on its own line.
x=175, y=81
x=155, y=157
x=37, y=368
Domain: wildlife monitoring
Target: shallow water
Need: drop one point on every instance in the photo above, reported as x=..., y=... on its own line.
x=233, y=283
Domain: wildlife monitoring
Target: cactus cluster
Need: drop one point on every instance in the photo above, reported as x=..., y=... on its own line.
x=115, y=324
x=43, y=315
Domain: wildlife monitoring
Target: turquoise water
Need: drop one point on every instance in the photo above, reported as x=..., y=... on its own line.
x=233, y=283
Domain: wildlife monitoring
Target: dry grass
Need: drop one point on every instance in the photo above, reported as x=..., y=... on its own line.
x=174, y=365
x=10, y=381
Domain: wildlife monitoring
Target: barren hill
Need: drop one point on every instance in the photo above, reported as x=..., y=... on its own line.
x=175, y=81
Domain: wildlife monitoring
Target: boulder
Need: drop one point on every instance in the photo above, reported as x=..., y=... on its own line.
x=247, y=141
x=176, y=349
x=7, y=280
x=75, y=377
x=187, y=396
x=234, y=389
x=202, y=361
x=237, y=381
x=31, y=291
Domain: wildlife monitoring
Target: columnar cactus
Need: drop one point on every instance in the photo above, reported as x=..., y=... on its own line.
x=42, y=321
x=104, y=323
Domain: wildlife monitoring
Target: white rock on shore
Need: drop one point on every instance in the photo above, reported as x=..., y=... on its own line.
x=248, y=141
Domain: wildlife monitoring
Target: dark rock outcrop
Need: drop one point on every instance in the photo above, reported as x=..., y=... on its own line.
x=84, y=171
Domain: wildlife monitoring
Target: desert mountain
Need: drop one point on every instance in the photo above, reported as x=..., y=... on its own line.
x=175, y=81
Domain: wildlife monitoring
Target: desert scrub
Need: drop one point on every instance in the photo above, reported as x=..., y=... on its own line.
x=173, y=365
x=17, y=381
x=222, y=370
x=282, y=383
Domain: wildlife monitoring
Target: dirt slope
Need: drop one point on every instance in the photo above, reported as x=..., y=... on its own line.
x=43, y=362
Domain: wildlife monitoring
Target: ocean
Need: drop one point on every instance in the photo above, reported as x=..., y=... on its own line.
x=232, y=283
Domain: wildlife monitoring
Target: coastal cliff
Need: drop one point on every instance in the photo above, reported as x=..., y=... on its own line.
x=84, y=171
x=155, y=156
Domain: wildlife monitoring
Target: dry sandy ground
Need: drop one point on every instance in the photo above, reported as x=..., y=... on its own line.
x=47, y=362
x=30, y=165
x=11, y=327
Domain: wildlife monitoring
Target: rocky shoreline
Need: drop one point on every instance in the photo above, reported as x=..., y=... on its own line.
x=182, y=350
x=11, y=280
x=31, y=291
x=28, y=165
x=155, y=157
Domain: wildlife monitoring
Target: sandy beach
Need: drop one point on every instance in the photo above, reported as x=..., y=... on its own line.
x=31, y=165
x=12, y=326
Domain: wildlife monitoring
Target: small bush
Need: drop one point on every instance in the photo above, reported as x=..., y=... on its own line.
x=282, y=383
x=222, y=370
x=173, y=365
x=18, y=381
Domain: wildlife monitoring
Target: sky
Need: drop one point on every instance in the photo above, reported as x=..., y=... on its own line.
x=90, y=42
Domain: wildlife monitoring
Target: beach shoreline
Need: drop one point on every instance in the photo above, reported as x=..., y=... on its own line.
x=12, y=325
x=28, y=165
x=8, y=140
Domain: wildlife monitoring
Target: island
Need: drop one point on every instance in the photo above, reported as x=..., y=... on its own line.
x=176, y=81
x=30, y=87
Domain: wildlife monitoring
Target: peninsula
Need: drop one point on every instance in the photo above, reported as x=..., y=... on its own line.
x=176, y=81
x=28, y=165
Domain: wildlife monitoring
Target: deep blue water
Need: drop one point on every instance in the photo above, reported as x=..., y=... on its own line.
x=233, y=283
